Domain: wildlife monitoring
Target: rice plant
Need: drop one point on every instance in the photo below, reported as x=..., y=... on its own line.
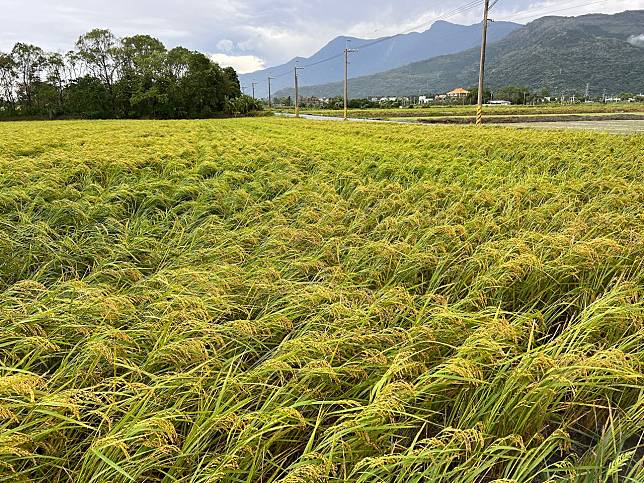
x=265, y=300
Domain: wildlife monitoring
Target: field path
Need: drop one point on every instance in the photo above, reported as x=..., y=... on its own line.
x=314, y=117
x=612, y=126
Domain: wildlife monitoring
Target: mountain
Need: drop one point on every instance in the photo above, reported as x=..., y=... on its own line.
x=561, y=54
x=384, y=54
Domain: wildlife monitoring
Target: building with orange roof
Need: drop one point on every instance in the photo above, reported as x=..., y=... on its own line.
x=458, y=93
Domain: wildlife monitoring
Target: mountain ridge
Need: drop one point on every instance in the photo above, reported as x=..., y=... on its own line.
x=378, y=55
x=552, y=52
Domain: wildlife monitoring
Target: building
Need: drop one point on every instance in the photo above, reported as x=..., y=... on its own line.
x=499, y=103
x=458, y=93
x=314, y=101
x=425, y=100
x=387, y=99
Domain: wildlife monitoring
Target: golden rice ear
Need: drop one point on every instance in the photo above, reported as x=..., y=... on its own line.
x=254, y=300
x=21, y=385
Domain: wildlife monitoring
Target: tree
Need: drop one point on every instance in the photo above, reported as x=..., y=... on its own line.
x=472, y=97
x=75, y=67
x=202, y=88
x=178, y=62
x=100, y=51
x=242, y=105
x=142, y=53
x=516, y=95
x=177, y=66
x=283, y=101
x=46, y=99
x=336, y=102
x=54, y=67
x=233, y=86
x=105, y=77
x=88, y=97
x=143, y=61
x=29, y=61
x=8, y=77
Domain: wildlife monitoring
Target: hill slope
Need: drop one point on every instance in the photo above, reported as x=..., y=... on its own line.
x=441, y=39
x=559, y=53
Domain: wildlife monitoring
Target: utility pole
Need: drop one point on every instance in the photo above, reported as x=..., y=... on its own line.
x=270, y=101
x=347, y=51
x=479, y=107
x=297, y=92
x=253, y=84
x=604, y=97
x=587, y=92
x=243, y=88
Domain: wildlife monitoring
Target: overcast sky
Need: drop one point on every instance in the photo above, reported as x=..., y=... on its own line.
x=251, y=34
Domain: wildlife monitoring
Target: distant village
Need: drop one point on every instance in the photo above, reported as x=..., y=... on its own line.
x=503, y=97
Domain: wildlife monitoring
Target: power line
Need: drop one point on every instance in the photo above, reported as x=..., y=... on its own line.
x=541, y=43
x=443, y=16
x=524, y=14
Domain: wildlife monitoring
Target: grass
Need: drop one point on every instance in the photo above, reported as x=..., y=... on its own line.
x=270, y=300
x=456, y=111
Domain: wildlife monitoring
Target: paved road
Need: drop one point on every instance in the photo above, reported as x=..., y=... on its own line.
x=614, y=127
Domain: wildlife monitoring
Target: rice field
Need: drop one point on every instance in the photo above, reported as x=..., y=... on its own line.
x=613, y=127
x=470, y=111
x=279, y=300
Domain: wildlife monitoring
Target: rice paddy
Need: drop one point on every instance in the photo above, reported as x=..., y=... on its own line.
x=437, y=111
x=274, y=300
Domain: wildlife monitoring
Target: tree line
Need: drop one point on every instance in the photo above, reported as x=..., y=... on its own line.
x=516, y=95
x=108, y=77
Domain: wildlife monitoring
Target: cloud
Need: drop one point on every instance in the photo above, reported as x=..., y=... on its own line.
x=226, y=45
x=241, y=63
x=254, y=32
x=284, y=43
x=636, y=40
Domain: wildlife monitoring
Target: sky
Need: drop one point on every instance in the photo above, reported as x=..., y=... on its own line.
x=253, y=34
